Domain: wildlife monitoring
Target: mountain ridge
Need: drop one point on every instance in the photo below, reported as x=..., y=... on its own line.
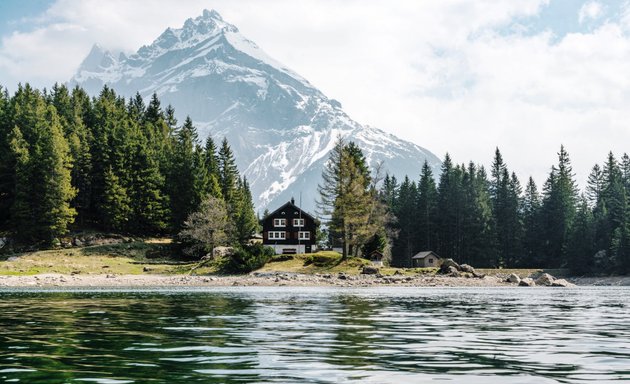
x=280, y=127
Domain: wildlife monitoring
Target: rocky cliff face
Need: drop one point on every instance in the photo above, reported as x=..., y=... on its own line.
x=280, y=127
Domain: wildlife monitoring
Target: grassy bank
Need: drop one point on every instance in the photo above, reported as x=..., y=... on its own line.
x=329, y=262
x=153, y=256
x=138, y=257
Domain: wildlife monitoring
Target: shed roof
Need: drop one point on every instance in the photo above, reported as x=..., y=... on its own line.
x=423, y=254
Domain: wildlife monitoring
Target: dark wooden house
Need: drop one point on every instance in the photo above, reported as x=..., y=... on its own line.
x=290, y=230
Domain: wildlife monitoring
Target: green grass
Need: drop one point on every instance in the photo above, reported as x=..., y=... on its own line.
x=134, y=258
x=311, y=263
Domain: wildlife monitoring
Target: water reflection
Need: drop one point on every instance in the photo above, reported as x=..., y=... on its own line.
x=316, y=335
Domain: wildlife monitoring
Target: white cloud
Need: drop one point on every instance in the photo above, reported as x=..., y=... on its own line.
x=435, y=72
x=591, y=10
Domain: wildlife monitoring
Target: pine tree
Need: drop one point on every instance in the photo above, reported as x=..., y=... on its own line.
x=450, y=210
x=116, y=205
x=595, y=185
x=580, y=248
x=228, y=173
x=426, y=206
x=7, y=161
x=244, y=217
x=41, y=208
x=405, y=212
x=477, y=221
x=150, y=206
x=184, y=176
x=532, y=255
x=211, y=166
x=558, y=210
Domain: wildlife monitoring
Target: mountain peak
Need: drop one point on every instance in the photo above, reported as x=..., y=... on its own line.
x=212, y=14
x=279, y=125
x=210, y=22
x=97, y=58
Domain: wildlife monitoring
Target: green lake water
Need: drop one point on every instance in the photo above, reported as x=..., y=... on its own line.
x=316, y=335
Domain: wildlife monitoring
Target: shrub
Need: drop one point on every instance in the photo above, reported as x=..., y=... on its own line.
x=246, y=259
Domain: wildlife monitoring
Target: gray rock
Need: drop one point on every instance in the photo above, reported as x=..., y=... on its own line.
x=467, y=268
x=452, y=271
x=513, y=278
x=527, y=282
x=78, y=242
x=342, y=276
x=562, y=283
x=3, y=241
x=370, y=270
x=448, y=265
x=545, y=280
x=222, y=251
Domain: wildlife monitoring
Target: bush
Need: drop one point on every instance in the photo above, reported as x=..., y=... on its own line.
x=246, y=259
x=321, y=259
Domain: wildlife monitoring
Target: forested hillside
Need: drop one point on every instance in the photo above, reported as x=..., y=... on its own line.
x=68, y=161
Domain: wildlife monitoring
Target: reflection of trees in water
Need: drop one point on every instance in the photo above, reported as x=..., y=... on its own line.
x=355, y=331
x=72, y=335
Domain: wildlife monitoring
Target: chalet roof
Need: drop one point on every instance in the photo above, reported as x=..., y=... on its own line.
x=291, y=203
x=423, y=254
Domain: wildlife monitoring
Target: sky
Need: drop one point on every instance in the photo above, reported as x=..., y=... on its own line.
x=455, y=76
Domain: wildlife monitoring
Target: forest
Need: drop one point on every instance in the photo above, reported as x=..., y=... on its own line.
x=70, y=162
x=491, y=220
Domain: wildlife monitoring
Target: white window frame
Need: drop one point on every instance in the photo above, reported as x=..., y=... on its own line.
x=298, y=222
x=279, y=222
x=304, y=235
x=277, y=235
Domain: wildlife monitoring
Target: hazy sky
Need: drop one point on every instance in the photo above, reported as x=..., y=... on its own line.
x=450, y=75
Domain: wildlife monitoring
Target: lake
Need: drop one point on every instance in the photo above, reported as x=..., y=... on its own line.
x=316, y=335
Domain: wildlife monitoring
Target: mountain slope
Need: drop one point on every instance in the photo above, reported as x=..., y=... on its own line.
x=280, y=127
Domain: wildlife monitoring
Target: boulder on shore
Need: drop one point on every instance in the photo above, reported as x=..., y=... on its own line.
x=562, y=283
x=467, y=268
x=546, y=280
x=448, y=265
x=453, y=272
x=527, y=282
x=513, y=278
x=370, y=270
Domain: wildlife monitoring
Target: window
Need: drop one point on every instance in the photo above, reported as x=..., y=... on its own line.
x=430, y=261
x=298, y=222
x=304, y=235
x=279, y=222
x=277, y=235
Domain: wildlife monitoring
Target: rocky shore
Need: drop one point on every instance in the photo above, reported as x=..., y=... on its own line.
x=253, y=279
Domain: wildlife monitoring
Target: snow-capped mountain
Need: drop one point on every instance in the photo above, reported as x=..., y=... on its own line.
x=280, y=127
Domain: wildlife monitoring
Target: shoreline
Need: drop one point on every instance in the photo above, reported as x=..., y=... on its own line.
x=270, y=279
x=262, y=279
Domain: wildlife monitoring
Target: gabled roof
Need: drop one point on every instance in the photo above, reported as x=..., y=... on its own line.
x=423, y=254
x=291, y=204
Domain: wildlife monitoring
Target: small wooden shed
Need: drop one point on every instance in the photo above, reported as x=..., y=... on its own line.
x=376, y=257
x=426, y=259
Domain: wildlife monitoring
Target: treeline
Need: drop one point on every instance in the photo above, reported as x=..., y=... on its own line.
x=491, y=220
x=69, y=161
